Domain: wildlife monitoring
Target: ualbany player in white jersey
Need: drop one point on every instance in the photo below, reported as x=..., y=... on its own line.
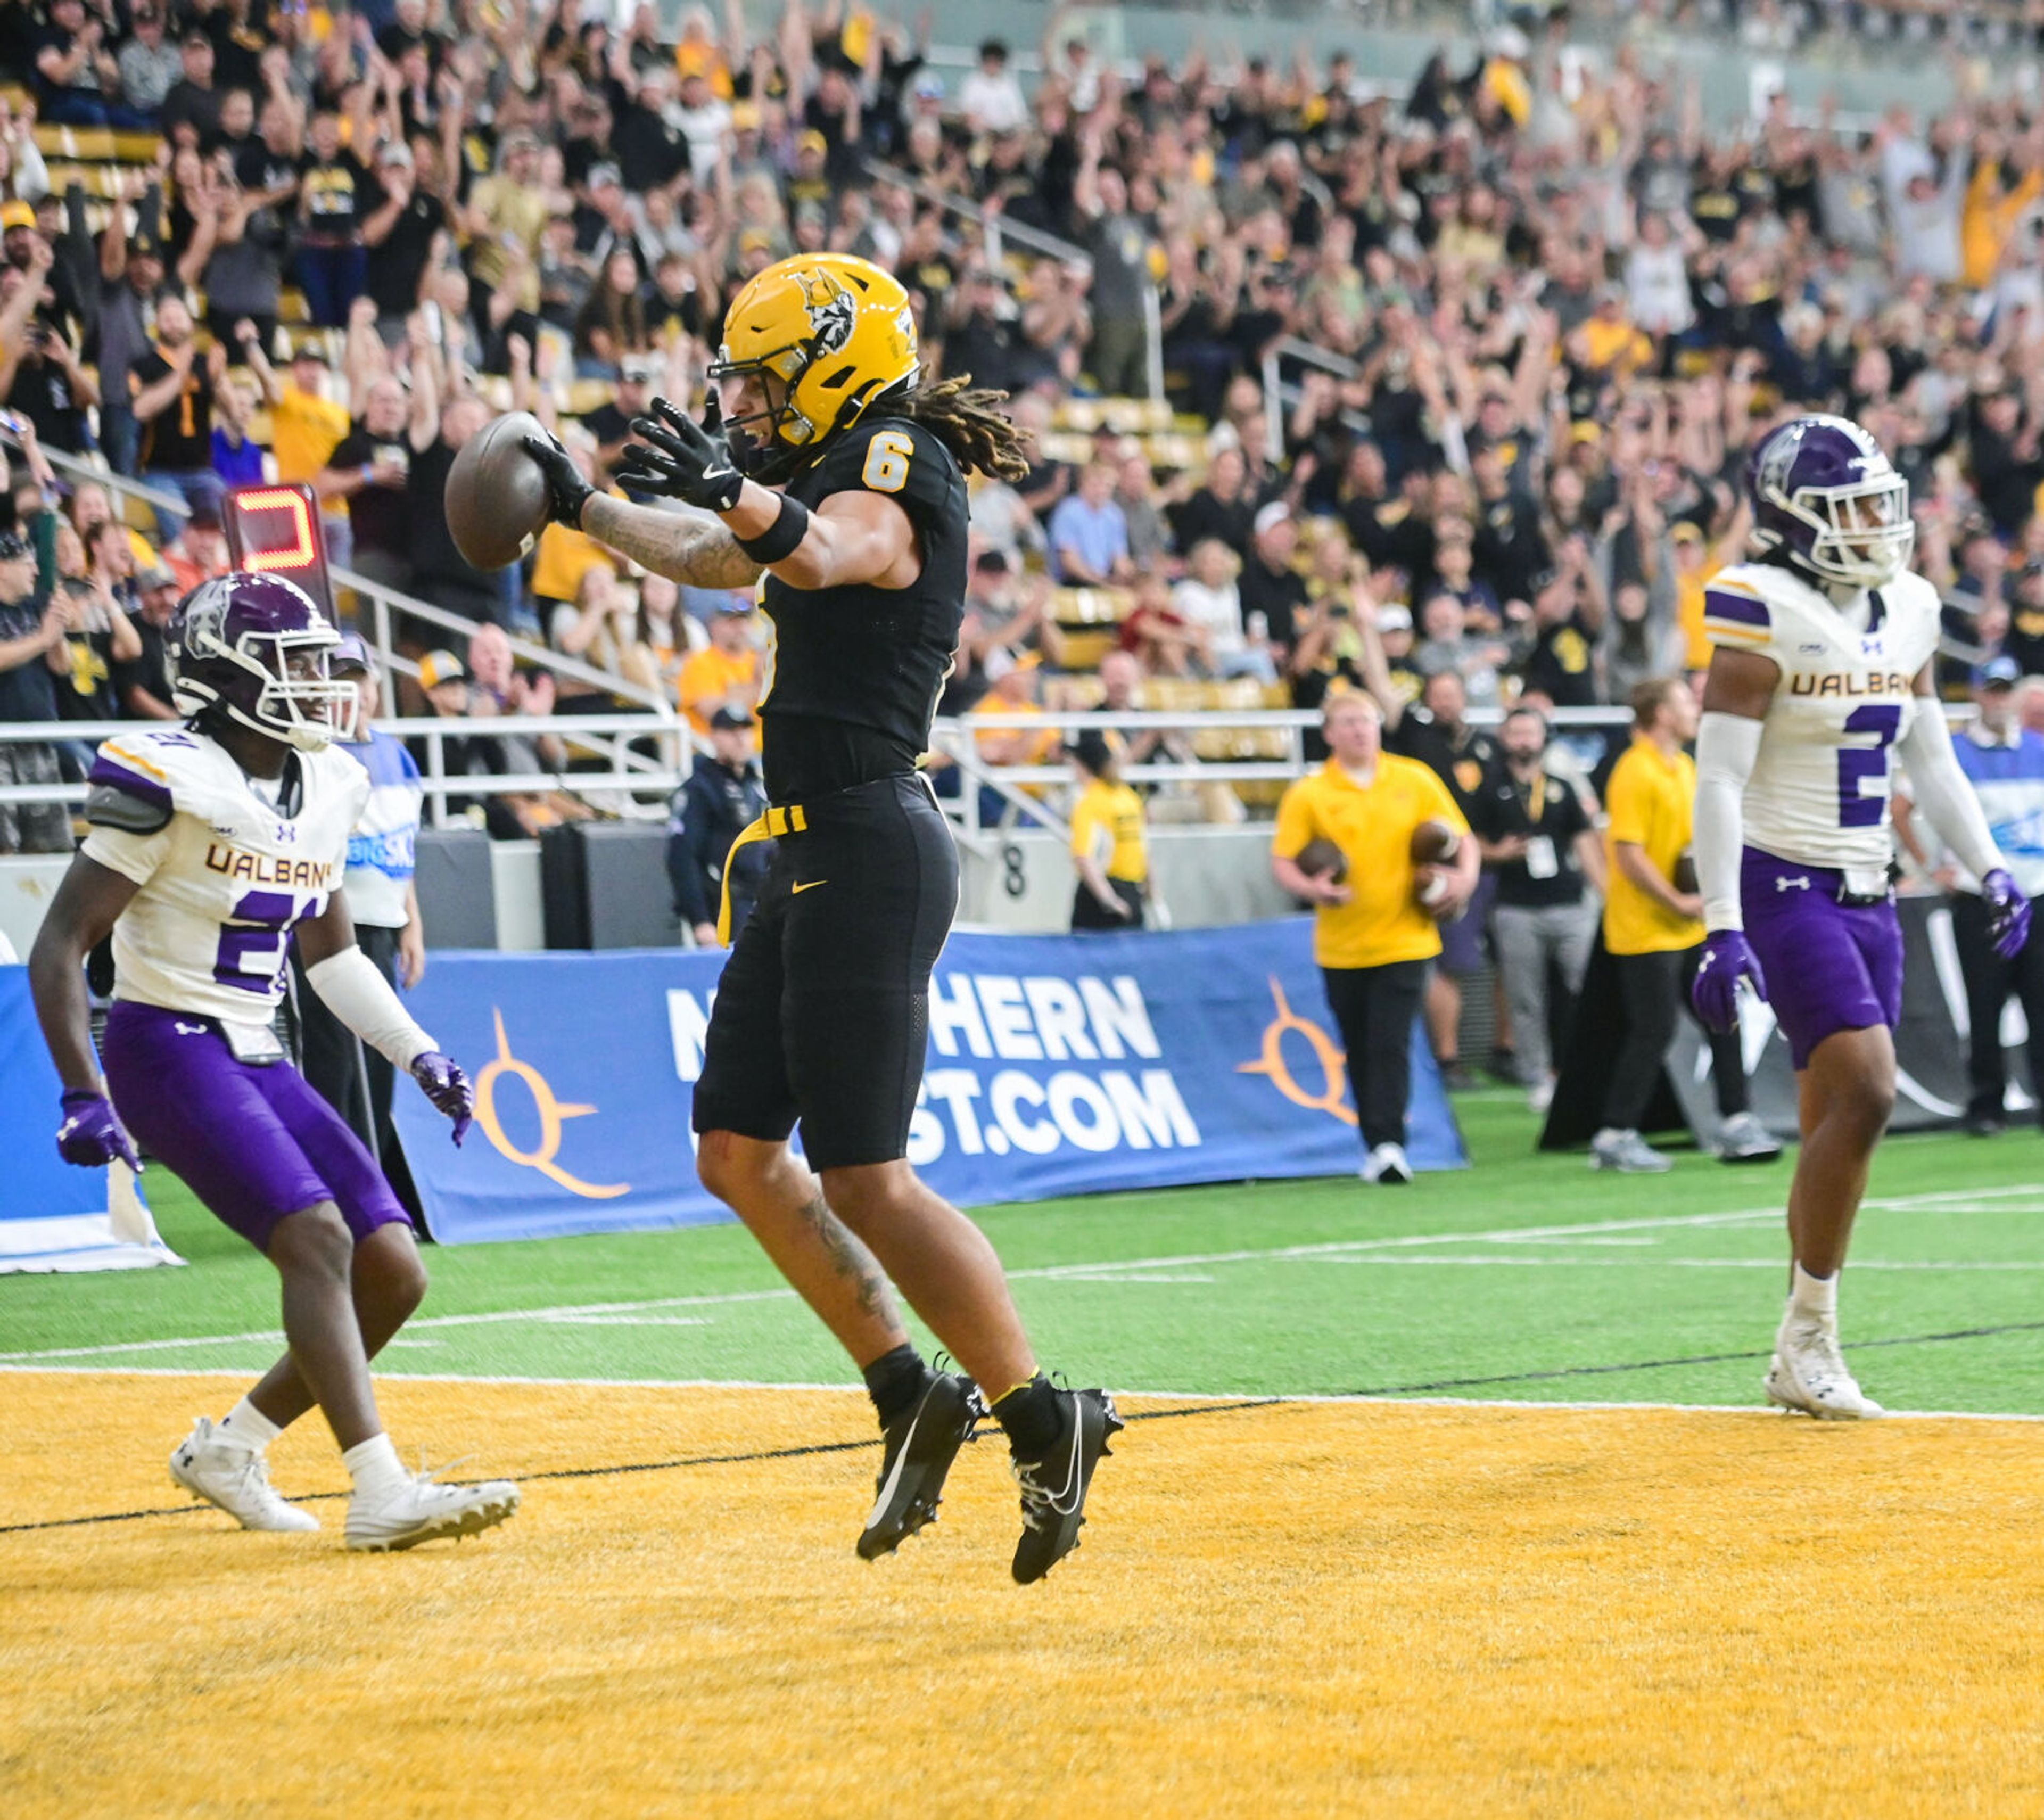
x=1821, y=676
x=213, y=845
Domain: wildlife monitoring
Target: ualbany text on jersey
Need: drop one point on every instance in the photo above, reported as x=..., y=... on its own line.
x=1851, y=682
x=271, y=869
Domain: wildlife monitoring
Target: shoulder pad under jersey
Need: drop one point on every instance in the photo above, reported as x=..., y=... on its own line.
x=139, y=780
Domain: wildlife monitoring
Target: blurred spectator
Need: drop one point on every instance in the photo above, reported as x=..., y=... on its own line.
x=1109, y=850
x=143, y=683
x=1654, y=932
x=370, y=470
x=174, y=388
x=1273, y=594
x=1089, y=534
x=31, y=634
x=724, y=795
x=438, y=570
x=1210, y=602
x=383, y=901
x=1538, y=840
x=725, y=673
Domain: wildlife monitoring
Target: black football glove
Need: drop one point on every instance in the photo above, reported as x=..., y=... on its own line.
x=676, y=458
x=568, y=492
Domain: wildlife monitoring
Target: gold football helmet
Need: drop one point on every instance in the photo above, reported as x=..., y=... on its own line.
x=829, y=333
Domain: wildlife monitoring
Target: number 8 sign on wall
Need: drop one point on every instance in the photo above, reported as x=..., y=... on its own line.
x=275, y=531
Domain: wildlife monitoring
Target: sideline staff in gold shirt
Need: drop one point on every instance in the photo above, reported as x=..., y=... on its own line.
x=1371, y=938
x=1654, y=933
x=1108, y=850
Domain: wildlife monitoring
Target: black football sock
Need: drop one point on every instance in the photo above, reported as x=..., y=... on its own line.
x=1032, y=1417
x=895, y=1379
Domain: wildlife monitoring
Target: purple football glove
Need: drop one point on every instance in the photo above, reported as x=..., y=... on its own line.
x=1728, y=959
x=2007, y=913
x=444, y=1084
x=92, y=1135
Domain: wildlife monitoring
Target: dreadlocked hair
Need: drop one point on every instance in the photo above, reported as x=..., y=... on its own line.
x=966, y=421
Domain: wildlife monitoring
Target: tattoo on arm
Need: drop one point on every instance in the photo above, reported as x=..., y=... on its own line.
x=697, y=553
x=852, y=1262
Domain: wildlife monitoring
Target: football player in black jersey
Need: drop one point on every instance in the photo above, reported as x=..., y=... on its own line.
x=834, y=473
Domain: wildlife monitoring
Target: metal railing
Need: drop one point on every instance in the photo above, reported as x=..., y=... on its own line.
x=632, y=775
x=379, y=607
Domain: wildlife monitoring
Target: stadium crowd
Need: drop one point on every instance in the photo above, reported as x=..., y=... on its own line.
x=1552, y=311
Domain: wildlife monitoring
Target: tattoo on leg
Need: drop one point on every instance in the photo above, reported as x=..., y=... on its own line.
x=852, y=1260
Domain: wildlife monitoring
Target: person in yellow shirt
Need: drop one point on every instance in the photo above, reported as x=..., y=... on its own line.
x=725, y=673
x=1653, y=931
x=1109, y=850
x=1372, y=938
x=306, y=427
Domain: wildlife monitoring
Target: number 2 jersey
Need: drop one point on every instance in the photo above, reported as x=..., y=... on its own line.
x=856, y=670
x=222, y=875
x=1819, y=794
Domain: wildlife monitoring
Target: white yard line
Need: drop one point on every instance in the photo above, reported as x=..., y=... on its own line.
x=1141, y=1269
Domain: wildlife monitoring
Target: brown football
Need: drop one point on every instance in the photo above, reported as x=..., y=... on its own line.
x=1434, y=843
x=496, y=494
x=1686, y=872
x=1320, y=858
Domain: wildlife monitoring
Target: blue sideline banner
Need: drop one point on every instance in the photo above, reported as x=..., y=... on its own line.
x=1058, y=1064
x=54, y=1216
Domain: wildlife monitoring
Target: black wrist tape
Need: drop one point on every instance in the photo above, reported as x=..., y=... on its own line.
x=780, y=538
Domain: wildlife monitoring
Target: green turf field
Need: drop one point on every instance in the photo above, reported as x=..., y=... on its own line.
x=1524, y=1278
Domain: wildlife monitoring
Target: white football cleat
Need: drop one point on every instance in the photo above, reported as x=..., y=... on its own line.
x=1808, y=1373
x=416, y=1510
x=1387, y=1163
x=236, y=1479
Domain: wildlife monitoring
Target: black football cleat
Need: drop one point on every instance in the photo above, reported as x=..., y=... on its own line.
x=1054, y=1488
x=921, y=1445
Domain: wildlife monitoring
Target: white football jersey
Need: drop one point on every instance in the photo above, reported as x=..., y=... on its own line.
x=225, y=879
x=1819, y=794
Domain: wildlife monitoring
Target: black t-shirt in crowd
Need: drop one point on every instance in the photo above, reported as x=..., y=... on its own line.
x=148, y=671
x=1559, y=664
x=1460, y=763
x=85, y=692
x=397, y=262
x=180, y=437
x=27, y=692
x=1279, y=594
x=1549, y=814
x=337, y=193
x=380, y=516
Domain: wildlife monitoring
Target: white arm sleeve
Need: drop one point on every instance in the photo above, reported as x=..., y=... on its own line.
x=1727, y=745
x=1942, y=793
x=362, y=999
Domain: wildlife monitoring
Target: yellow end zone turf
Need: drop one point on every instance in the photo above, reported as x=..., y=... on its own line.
x=1303, y=1608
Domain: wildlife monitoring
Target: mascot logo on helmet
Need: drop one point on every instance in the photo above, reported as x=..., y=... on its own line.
x=831, y=313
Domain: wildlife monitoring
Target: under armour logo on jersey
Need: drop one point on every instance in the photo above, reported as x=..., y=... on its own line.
x=1796, y=884
x=287, y=832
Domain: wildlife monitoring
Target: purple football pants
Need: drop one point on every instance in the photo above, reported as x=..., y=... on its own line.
x=254, y=1143
x=1829, y=966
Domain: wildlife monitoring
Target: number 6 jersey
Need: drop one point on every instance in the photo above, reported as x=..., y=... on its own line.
x=222, y=875
x=1819, y=793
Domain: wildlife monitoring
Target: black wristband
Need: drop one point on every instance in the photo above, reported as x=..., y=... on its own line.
x=781, y=538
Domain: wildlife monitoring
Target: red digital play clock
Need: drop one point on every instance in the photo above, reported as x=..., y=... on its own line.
x=275, y=530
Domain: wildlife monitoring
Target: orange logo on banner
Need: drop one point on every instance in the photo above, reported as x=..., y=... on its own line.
x=552, y=1114
x=1272, y=1065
